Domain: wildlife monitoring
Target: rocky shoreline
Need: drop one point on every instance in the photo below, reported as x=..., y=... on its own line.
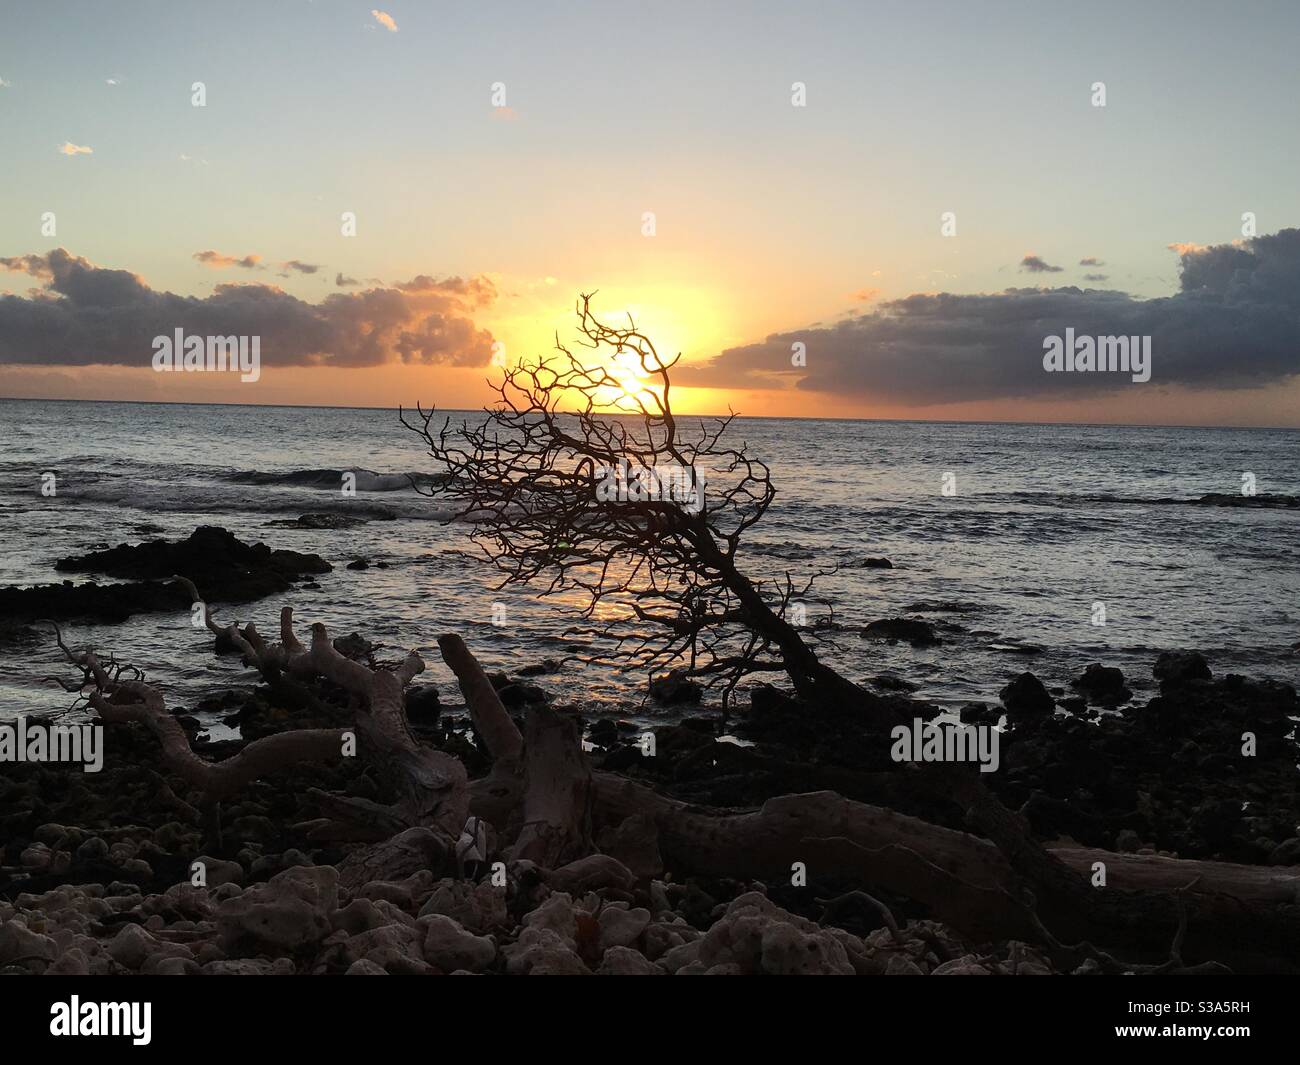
x=115, y=872
x=98, y=871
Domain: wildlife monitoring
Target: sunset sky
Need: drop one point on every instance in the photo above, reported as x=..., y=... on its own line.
x=478, y=221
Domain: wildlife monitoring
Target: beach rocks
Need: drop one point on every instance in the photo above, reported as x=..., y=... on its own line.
x=877, y=563
x=1179, y=667
x=515, y=693
x=19, y=945
x=422, y=704
x=966, y=965
x=545, y=666
x=757, y=936
x=917, y=633
x=479, y=908
x=289, y=912
x=319, y=521
x=675, y=687
x=1286, y=852
x=108, y=603
x=222, y=567
x=623, y=961
x=450, y=947
x=621, y=926
x=592, y=873
x=542, y=952
x=1025, y=698
x=1103, y=685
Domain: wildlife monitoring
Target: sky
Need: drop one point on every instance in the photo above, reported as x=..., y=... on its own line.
x=918, y=194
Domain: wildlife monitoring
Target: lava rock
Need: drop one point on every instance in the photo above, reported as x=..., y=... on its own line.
x=1025, y=698
x=422, y=705
x=675, y=688
x=1103, y=685
x=917, y=633
x=1179, y=667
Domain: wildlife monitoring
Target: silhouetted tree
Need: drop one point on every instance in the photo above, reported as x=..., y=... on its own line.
x=583, y=480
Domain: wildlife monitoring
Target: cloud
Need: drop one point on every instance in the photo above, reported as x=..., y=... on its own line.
x=345, y=282
x=1089, y=260
x=1231, y=324
x=1035, y=265
x=6, y=84
x=218, y=261
x=68, y=148
x=866, y=295
x=84, y=314
x=298, y=266
x=1096, y=277
x=505, y=114
x=112, y=81
x=385, y=19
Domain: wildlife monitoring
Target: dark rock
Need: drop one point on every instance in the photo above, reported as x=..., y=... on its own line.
x=422, y=705
x=518, y=694
x=878, y=563
x=224, y=569
x=109, y=603
x=1267, y=500
x=1103, y=685
x=18, y=637
x=515, y=694
x=1286, y=852
x=1127, y=841
x=359, y=563
x=675, y=688
x=917, y=633
x=1026, y=698
x=549, y=665
x=319, y=521
x=354, y=646
x=1178, y=667
x=764, y=699
x=892, y=682
x=979, y=714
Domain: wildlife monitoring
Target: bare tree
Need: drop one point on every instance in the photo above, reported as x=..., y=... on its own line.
x=582, y=480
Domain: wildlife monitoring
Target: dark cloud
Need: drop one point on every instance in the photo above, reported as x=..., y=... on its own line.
x=345, y=282
x=218, y=261
x=298, y=266
x=1096, y=277
x=1035, y=265
x=83, y=314
x=1089, y=260
x=1232, y=324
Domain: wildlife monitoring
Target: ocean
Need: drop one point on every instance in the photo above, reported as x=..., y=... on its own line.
x=1007, y=537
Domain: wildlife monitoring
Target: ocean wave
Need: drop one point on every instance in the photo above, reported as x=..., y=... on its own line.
x=216, y=498
x=366, y=480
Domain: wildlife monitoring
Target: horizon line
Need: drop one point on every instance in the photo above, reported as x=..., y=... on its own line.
x=625, y=414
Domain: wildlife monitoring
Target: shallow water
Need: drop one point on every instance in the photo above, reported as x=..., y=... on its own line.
x=1046, y=522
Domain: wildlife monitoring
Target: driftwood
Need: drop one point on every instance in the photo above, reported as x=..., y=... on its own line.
x=548, y=806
